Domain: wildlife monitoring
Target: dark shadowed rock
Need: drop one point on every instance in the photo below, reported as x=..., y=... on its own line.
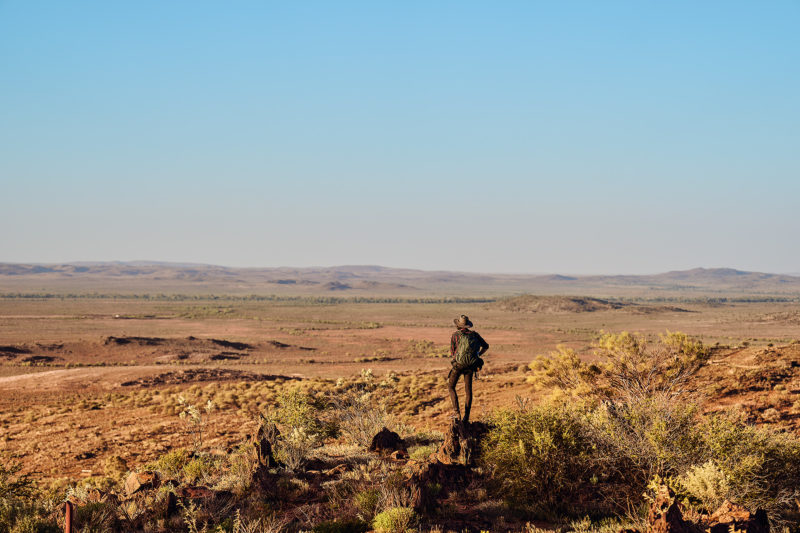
x=264, y=453
x=665, y=516
x=431, y=480
x=386, y=442
x=265, y=482
x=171, y=508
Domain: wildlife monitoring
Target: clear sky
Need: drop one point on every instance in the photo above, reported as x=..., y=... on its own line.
x=531, y=136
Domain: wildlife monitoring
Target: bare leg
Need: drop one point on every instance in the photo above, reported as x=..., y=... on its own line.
x=452, y=380
x=468, y=390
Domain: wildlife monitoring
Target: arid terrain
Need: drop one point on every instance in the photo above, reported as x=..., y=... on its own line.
x=89, y=380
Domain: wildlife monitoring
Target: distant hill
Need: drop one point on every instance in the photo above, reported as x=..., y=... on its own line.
x=529, y=303
x=370, y=280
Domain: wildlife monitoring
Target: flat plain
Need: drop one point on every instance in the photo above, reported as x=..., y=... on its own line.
x=112, y=371
x=86, y=379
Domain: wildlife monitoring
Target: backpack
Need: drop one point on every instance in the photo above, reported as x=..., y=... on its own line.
x=466, y=355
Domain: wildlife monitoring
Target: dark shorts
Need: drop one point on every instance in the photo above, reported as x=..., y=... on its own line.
x=477, y=365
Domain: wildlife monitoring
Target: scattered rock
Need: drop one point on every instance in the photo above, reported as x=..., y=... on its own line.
x=665, y=516
x=137, y=481
x=386, y=442
x=730, y=517
x=84, y=456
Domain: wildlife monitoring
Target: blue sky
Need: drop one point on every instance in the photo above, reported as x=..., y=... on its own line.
x=563, y=136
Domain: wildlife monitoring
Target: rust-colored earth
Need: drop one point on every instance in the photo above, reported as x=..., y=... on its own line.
x=83, y=380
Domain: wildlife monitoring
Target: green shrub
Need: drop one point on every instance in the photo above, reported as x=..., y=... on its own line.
x=95, y=517
x=630, y=366
x=421, y=453
x=297, y=410
x=540, y=454
x=22, y=510
x=238, y=475
x=646, y=437
x=12, y=483
x=395, y=520
x=762, y=465
x=171, y=464
x=706, y=483
x=367, y=503
x=359, y=419
x=293, y=449
x=199, y=469
x=30, y=520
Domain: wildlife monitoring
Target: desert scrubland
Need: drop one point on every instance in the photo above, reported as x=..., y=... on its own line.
x=102, y=381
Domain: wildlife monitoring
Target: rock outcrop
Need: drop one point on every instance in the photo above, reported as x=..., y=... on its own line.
x=731, y=517
x=432, y=480
x=666, y=516
x=462, y=443
x=263, y=445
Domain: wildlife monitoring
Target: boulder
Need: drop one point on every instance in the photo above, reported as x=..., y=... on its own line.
x=386, y=442
x=730, y=517
x=137, y=481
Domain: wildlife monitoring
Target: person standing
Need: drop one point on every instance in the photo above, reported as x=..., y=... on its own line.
x=466, y=349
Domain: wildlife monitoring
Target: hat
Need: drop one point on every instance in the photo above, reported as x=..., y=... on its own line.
x=462, y=322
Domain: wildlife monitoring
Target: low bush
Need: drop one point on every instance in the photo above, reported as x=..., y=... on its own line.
x=541, y=454
x=367, y=503
x=395, y=520
x=199, y=469
x=171, y=464
x=761, y=465
x=22, y=510
x=638, y=424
